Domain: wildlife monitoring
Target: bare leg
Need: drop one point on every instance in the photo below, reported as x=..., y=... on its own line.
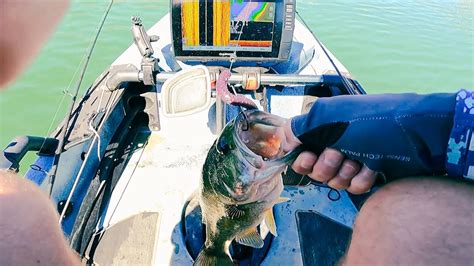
x=416, y=221
x=29, y=229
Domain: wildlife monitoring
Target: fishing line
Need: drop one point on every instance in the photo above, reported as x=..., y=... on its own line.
x=61, y=102
x=349, y=87
x=125, y=188
x=232, y=60
x=91, y=128
x=330, y=192
x=97, y=136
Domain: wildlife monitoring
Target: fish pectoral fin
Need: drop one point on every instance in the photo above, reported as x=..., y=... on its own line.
x=282, y=200
x=250, y=238
x=270, y=222
x=234, y=212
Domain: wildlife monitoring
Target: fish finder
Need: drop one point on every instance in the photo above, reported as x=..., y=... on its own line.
x=244, y=30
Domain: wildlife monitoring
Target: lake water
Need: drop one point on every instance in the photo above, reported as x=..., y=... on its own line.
x=389, y=46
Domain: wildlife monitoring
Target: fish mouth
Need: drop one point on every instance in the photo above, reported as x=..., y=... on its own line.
x=260, y=133
x=259, y=157
x=259, y=136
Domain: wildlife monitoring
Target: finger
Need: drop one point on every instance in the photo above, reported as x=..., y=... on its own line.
x=304, y=163
x=343, y=178
x=363, y=181
x=327, y=165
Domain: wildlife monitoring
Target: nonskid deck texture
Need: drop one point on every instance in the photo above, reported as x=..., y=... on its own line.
x=163, y=175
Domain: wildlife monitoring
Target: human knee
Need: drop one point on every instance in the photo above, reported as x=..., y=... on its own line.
x=29, y=229
x=416, y=220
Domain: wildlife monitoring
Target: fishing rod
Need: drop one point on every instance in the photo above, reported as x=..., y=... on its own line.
x=232, y=60
x=64, y=129
x=349, y=86
x=223, y=87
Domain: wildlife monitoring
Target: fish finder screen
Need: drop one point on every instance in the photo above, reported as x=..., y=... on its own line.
x=228, y=26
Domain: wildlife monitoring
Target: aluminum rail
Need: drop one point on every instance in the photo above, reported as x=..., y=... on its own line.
x=285, y=79
x=265, y=79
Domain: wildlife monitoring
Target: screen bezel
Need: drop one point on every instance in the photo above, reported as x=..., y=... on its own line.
x=196, y=55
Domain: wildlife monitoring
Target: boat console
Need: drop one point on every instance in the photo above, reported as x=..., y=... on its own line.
x=252, y=31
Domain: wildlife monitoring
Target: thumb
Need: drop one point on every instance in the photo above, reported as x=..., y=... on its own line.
x=290, y=141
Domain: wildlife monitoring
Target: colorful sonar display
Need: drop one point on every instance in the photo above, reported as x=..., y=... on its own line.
x=227, y=26
x=252, y=11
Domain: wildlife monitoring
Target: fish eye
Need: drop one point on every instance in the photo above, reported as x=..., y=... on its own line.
x=222, y=146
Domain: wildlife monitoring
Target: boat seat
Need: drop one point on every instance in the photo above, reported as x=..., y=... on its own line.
x=129, y=242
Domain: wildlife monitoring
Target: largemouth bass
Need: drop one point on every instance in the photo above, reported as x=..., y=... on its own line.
x=241, y=182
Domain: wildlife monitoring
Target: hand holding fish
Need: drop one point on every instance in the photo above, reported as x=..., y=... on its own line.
x=330, y=166
x=275, y=138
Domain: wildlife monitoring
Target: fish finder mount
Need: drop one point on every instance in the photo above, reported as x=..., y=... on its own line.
x=149, y=65
x=143, y=42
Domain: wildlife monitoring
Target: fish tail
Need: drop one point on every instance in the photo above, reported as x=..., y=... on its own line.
x=208, y=257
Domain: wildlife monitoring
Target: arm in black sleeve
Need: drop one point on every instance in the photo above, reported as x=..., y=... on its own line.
x=396, y=134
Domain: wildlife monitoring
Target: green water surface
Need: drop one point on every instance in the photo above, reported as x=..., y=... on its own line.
x=389, y=46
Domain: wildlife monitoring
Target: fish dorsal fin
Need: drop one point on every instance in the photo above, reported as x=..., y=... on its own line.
x=270, y=222
x=282, y=200
x=234, y=212
x=250, y=238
